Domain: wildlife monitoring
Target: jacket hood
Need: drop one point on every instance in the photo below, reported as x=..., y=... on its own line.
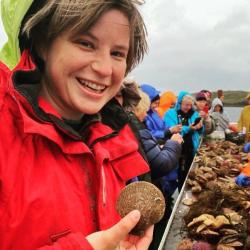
x=150, y=91
x=216, y=102
x=12, y=13
x=180, y=98
x=166, y=100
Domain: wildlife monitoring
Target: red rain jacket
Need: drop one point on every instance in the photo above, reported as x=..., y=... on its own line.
x=54, y=188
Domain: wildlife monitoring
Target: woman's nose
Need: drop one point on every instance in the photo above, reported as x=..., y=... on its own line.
x=103, y=65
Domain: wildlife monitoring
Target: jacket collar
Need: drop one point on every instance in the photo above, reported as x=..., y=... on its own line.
x=26, y=82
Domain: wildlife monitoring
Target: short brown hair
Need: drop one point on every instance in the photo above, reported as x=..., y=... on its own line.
x=52, y=17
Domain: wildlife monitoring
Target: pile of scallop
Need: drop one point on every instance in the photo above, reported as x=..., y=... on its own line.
x=219, y=214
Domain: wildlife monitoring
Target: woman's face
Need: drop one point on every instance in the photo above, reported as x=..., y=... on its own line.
x=154, y=105
x=201, y=104
x=217, y=108
x=186, y=105
x=84, y=72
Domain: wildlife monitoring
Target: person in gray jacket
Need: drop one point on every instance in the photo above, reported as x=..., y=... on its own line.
x=219, y=115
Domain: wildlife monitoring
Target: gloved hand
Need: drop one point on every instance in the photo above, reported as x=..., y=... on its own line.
x=242, y=180
x=246, y=147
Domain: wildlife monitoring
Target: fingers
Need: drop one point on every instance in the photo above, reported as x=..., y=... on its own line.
x=175, y=137
x=178, y=128
x=178, y=138
x=175, y=129
x=200, y=124
x=120, y=230
x=146, y=239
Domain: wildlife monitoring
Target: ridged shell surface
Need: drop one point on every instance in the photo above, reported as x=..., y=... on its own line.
x=146, y=198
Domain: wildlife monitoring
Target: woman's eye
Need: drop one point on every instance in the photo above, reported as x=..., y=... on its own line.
x=119, y=54
x=86, y=44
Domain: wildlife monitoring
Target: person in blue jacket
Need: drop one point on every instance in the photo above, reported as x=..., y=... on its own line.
x=153, y=121
x=191, y=130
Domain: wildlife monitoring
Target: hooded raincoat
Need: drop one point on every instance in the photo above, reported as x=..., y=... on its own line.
x=191, y=137
x=171, y=119
x=153, y=121
x=167, y=100
x=221, y=118
x=57, y=184
x=244, y=120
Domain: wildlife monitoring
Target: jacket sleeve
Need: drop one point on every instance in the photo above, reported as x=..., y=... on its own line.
x=156, y=133
x=209, y=125
x=169, y=119
x=161, y=160
x=4, y=82
x=226, y=120
x=73, y=241
x=185, y=130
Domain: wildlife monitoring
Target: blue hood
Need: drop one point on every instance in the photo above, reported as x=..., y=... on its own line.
x=150, y=91
x=180, y=98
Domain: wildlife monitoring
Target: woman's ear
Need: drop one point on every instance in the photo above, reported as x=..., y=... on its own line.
x=39, y=55
x=41, y=48
x=41, y=51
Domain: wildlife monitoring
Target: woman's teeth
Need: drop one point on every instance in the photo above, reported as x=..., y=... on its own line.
x=92, y=86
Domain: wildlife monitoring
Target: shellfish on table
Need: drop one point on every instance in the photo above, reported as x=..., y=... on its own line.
x=220, y=214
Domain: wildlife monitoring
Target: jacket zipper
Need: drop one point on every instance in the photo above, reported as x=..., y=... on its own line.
x=104, y=193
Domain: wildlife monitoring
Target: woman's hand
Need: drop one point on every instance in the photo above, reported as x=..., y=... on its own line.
x=203, y=114
x=177, y=137
x=197, y=126
x=118, y=237
x=176, y=129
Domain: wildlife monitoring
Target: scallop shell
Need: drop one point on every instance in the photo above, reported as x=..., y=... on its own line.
x=146, y=198
x=188, y=202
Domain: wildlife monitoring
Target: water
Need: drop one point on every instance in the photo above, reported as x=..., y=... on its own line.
x=233, y=113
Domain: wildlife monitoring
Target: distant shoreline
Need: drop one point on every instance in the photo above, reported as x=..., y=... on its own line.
x=233, y=98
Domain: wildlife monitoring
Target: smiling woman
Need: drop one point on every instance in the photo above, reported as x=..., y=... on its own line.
x=71, y=160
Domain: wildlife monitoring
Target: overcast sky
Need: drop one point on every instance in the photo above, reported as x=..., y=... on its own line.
x=195, y=44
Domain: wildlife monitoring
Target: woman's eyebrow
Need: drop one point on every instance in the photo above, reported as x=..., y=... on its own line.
x=118, y=46
x=122, y=47
x=89, y=34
